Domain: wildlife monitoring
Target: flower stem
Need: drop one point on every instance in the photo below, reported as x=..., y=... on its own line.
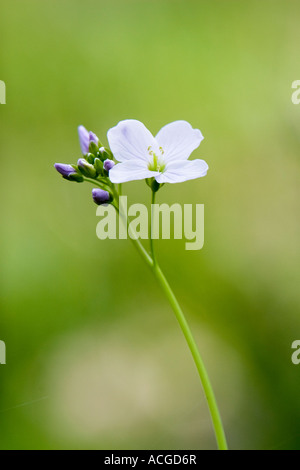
x=151, y=229
x=152, y=263
x=208, y=390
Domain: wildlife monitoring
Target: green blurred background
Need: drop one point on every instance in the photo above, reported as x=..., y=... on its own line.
x=95, y=358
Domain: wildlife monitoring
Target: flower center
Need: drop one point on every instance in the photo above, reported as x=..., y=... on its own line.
x=156, y=163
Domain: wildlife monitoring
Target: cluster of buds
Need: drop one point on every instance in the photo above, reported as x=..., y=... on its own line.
x=96, y=163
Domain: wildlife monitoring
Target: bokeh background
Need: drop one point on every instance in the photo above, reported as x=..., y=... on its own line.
x=95, y=358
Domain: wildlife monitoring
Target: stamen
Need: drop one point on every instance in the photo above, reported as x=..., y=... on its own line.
x=156, y=163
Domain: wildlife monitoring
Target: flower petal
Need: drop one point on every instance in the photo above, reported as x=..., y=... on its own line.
x=178, y=171
x=130, y=171
x=178, y=140
x=130, y=140
x=84, y=139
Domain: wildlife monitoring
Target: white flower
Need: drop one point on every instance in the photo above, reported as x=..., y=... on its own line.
x=164, y=157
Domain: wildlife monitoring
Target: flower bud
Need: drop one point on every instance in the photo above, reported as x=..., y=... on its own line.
x=93, y=138
x=101, y=197
x=93, y=149
x=63, y=169
x=98, y=164
x=68, y=172
x=76, y=177
x=86, y=168
x=86, y=138
x=108, y=164
x=105, y=154
x=90, y=158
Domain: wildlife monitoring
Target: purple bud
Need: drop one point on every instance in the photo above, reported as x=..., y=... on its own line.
x=64, y=170
x=108, y=164
x=100, y=196
x=93, y=138
x=84, y=139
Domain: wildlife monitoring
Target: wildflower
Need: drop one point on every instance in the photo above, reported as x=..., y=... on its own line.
x=164, y=157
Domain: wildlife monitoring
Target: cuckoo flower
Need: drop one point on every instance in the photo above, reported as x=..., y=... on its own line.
x=85, y=138
x=158, y=160
x=164, y=157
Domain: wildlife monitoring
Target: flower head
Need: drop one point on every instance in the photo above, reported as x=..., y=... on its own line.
x=164, y=157
x=85, y=138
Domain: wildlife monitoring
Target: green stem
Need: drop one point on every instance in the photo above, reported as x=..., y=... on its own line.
x=133, y=237
x=152, y=263
x=101, y=184
x=95, y=182
x=151, y=229
x=142, y=252
x=208, y=390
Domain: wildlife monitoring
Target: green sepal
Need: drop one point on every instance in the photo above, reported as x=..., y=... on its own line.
x=75, y=177
x=93, y=148
x=88, y=170
x=109, y=153
x=105, y=154
x=90, y=158
x=153, y=184
x=98, y=164
x=111, y=197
